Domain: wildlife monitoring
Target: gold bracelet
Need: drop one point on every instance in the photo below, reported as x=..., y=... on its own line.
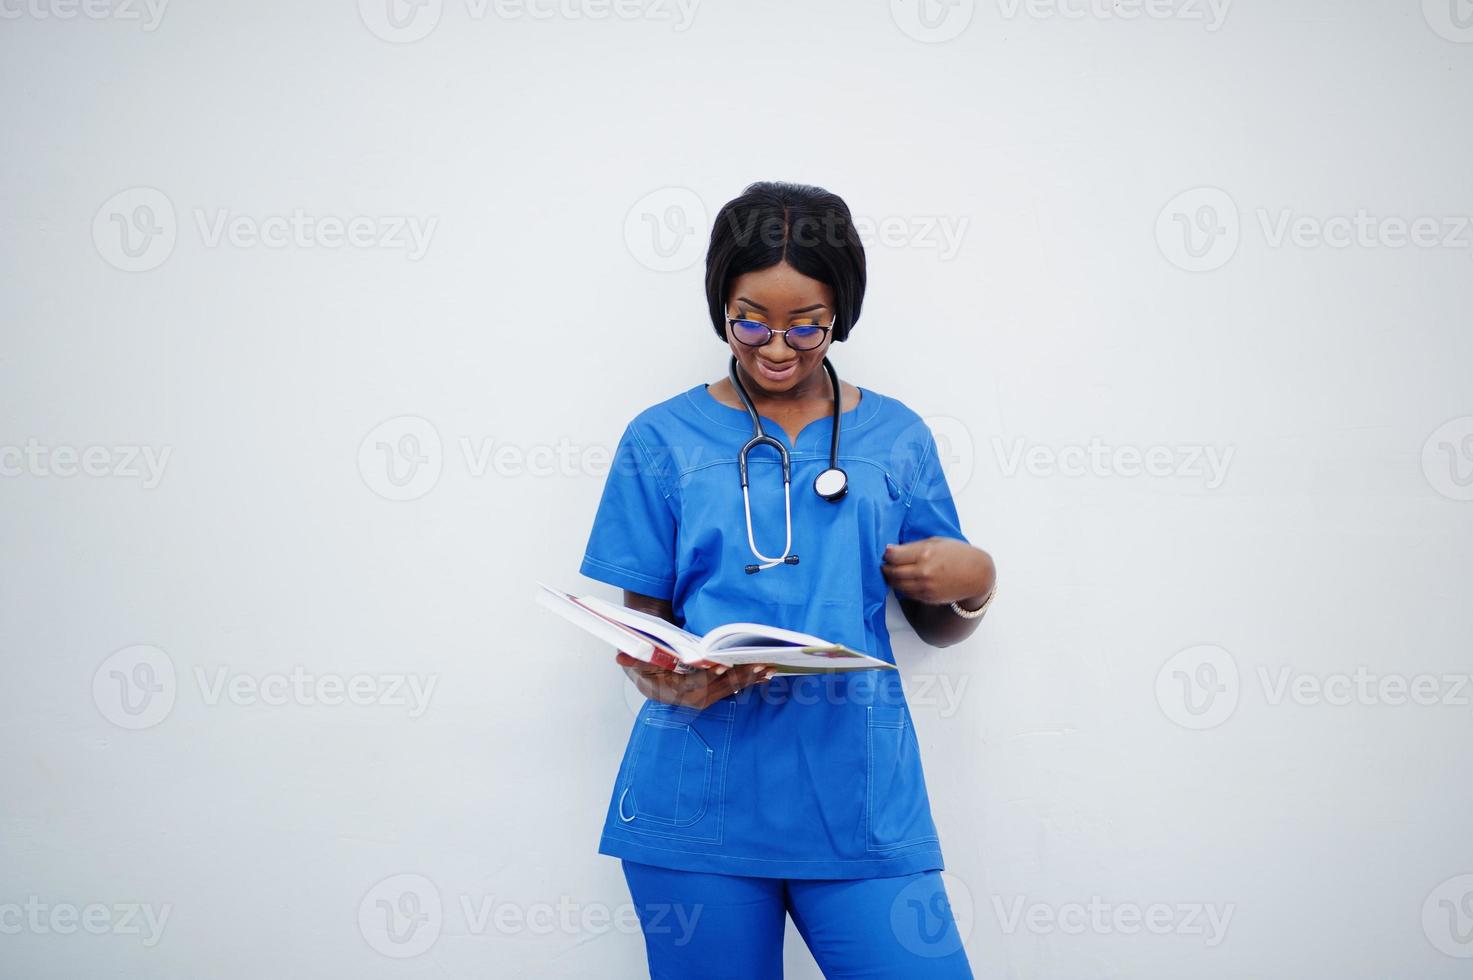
x=975, y=613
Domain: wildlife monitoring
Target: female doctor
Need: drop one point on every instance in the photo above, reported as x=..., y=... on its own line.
x=782, y=495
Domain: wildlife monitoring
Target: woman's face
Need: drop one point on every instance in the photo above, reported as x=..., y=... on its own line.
x=780, y=297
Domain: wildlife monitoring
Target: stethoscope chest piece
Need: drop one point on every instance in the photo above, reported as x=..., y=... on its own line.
x=831, y=484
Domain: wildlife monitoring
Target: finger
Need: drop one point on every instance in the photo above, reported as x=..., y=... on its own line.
x=903, y=554
x=902, y=576
x=642, y=667
x=740, y=677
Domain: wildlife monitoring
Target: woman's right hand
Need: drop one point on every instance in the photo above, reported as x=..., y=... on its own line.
x=696, y=689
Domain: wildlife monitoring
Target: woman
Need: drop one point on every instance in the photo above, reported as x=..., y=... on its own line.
x=743, y=797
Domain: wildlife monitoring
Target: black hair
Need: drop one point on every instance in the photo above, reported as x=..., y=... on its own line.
x=776, y=221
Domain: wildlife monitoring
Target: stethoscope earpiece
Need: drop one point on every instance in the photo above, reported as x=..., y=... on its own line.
x=832, y=484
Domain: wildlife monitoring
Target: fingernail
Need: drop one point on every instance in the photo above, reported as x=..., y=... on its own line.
x=720, y=669
x=756, y=668
x=768, y=675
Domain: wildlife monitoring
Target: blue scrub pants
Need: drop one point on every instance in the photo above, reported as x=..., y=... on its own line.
x=701, y=926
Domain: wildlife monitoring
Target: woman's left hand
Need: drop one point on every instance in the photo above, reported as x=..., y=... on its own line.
x=938, y=570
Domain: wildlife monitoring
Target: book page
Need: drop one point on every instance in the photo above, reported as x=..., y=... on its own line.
x=756, y=635
x=801, y=659
x=684, y=643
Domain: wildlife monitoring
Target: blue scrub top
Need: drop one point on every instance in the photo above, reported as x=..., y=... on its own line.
x=812, y=776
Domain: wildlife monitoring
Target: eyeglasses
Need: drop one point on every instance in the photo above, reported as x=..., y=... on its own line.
x=755, y=333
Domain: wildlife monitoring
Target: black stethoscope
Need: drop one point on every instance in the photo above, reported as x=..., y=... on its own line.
x=831, y=484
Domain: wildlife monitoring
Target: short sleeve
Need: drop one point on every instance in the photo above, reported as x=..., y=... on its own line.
x=930, y=511
x=632, y=544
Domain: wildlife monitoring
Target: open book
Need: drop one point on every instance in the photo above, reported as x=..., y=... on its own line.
x=664, y=644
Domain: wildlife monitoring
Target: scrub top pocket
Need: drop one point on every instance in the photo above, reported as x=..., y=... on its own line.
x=675, y=771
x=897, y=813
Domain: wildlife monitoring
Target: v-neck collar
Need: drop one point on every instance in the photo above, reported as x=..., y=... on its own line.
x=738, y=418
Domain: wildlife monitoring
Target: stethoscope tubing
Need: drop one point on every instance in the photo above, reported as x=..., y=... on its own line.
x=761, y=438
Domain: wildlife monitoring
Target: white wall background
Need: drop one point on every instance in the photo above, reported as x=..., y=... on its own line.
x=1115, y=179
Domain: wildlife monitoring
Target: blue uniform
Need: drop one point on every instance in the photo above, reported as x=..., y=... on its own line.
x=814, y=776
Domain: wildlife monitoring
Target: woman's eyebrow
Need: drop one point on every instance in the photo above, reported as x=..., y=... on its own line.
x=756, y=305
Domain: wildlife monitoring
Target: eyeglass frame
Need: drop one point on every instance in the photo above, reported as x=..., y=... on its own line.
x=803, y=350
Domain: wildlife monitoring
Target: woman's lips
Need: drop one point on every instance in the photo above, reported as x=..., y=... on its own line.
x=772, y=374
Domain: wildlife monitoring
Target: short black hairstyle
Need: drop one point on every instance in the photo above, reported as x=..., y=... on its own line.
x=776, y=221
